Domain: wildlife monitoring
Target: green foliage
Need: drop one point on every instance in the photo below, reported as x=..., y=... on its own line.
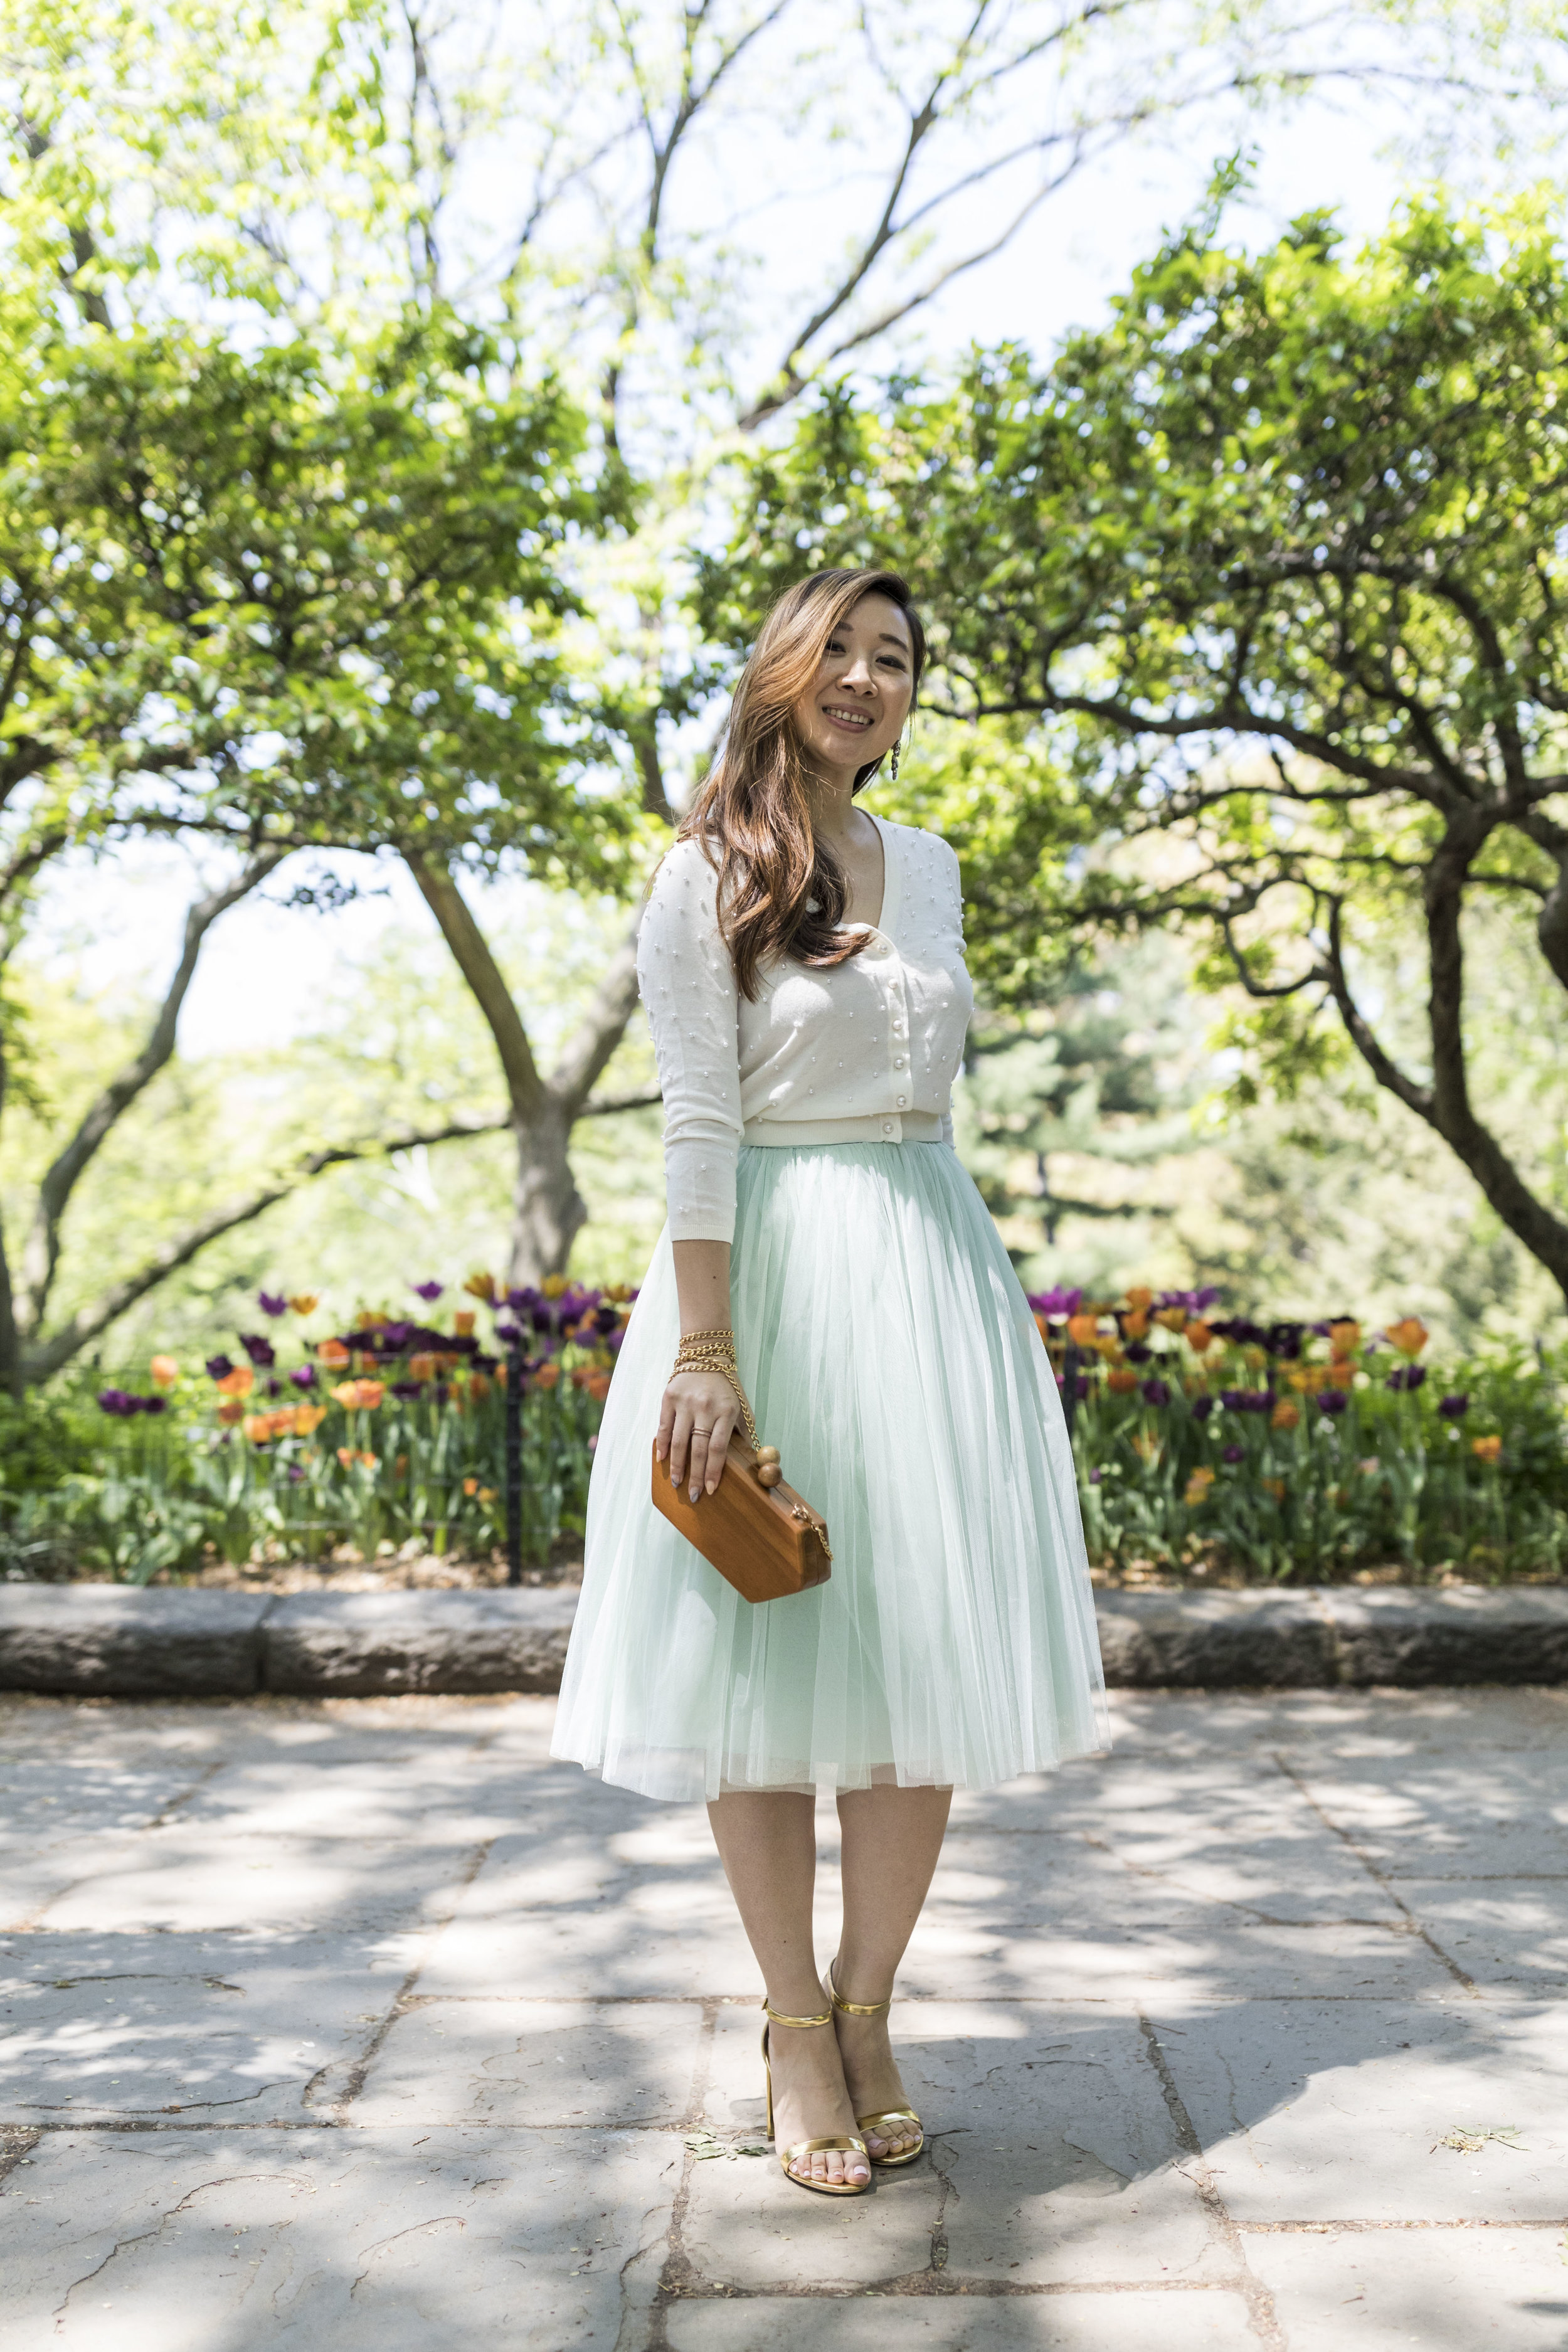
x=307, y=591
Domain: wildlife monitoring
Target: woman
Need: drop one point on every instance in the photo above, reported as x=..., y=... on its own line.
x=802, y=964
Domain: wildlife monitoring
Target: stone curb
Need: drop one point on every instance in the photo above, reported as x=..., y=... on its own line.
x=116, y=1641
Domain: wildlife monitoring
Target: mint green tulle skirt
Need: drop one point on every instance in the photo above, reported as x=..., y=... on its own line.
x=891, y=1356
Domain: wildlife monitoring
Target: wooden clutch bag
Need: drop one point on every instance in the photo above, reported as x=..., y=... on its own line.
x=764, y=1539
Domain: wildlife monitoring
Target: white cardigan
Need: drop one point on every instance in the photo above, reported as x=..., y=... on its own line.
x=863, y=1051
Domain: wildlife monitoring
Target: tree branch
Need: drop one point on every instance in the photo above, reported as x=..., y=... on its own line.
x=479, y=967
x=41, y=1254
x=603, y=1026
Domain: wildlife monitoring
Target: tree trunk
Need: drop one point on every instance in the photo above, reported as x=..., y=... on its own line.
x=548, y=1210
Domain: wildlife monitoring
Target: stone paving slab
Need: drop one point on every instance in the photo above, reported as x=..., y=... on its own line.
x=1343, y=2291
x=1116, y=2321
x=130, y=1644
x=327, y=2241
x=360, y=2026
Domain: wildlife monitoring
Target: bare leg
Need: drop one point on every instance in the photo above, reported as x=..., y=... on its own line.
x=891, y=1841
x=767, y=1844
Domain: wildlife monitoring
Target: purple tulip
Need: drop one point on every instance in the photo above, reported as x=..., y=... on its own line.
x=1233, y=1400
x=1194, y=1301
x=1079, y=1384
x=295, y=1473
x=617, y=1340
x=481, y=1362
x=1332, y=1400
x=220, y=1366
x=441, y=1391
x=303, y=1376
x=509, y=1334
x=429, y=1290
x=1136, y=1353
x=1056, y=1303
x=1284, y=1341
x=1201, y=1407
x=1407, y=1376
x=407, y=1388
x=1095, y=1476
x=116, y=1401
x=153, y=1403
x=1234, y=1454
x=261, y=1351
x=1155, y=1393
x=274, y=1388
x=396, y=1337
x=271, y=1306
x=1454, y=1408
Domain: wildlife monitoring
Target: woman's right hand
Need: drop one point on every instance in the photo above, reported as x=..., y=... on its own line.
x=699, y=1415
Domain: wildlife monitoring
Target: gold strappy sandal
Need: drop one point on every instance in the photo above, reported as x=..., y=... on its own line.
x=788, y=2156
x=889, y=2114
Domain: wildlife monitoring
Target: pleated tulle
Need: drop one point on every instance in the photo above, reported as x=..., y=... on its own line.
x=890, y=1356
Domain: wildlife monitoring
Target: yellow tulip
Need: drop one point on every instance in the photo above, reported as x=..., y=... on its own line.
x=481, y=1286
x=306, y=1303
x=1486, y=1449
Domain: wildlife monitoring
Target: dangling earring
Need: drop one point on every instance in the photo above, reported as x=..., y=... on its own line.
x=896, y=762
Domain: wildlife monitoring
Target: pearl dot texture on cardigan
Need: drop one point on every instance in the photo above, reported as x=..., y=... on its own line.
x=726, y=1065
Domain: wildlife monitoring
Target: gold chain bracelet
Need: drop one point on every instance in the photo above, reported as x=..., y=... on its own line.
x=714, y=1351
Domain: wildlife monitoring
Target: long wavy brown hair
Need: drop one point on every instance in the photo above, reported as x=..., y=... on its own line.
x=780, y=891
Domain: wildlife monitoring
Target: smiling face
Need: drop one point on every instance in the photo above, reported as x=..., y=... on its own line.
x=855, y=707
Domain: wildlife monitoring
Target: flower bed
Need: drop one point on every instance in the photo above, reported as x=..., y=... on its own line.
x=365, y=1440
x=1298, y=1450
x=1203, y=1444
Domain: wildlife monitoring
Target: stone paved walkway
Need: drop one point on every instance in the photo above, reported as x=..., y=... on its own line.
x=360, y=2027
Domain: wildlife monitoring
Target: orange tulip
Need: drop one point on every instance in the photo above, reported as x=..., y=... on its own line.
x=308, y=1418
x=306, y=1303
x=598, y=1386
x=1345, y=1339
x=1285, y=1415
x=481, y=1286
x=421, y=1367
x=1197, y=1486
x=1136, y=1325
x=470, y=1485
x=547, y=1376
x=1198, y=1335
x=463, y=1322
x=1409, y=1335
x=1140, y=1298
x=237, y=1383
x=359, y=1396
x=1486, y=1449
x=1275, y=1486
x=258, y=1427
x=479, y=1384
x=230, y=1411
x=332, y=1353
x=1121, y=1382
x=1083, y=1329
x=487, y=1494
x=164, y=1372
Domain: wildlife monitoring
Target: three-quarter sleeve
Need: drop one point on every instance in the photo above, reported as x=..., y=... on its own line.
x=688, y=985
